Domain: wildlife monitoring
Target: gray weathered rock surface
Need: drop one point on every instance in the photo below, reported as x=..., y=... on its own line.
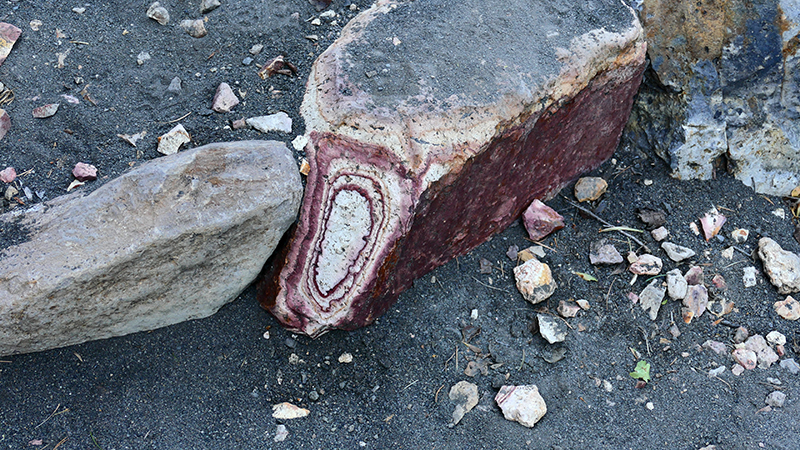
x=172, y=240
x=781, y=266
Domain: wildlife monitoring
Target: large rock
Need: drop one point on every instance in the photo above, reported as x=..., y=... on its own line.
x=172, y=240
x=724, y=82
x=431, y=126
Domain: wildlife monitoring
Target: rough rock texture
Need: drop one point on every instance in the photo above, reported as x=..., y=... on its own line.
x=781, y=266
x=5, y=123
x=535, y=281
x=540, y=220
x=172, y=240
x=420, y=151
x=677, y=287
x=521, y=404
x=724, y=81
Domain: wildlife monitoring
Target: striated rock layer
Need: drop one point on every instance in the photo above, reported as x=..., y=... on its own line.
x=431, y=128
x=172, y=240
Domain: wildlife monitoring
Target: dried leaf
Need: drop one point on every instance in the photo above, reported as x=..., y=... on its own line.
x=585, y=276
x=652, y=218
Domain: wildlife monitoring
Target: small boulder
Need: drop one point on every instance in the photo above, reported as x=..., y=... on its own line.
x=521, y=404
x=535, y=281
x=781, y=266
x=676, y=252
x=540, y=220
x=588, y=189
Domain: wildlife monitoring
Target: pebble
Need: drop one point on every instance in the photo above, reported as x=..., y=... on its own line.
x=740, y=335
x=11, y=191
x=584, y=304
x=590, y=188
x=552, y=329
x=247, y=61
x=206, y=6
x=659, y=234
x=224, y=99
x=651, y=297
x=715, y=346
x=8, y=36
x=776, y=338
x=45, y=111
x=764, y=353
x=5, y=123
x=674, y=331
x=694, y=276
x=512, y=252
x=695, y=230
x=790, y=365
x=345, y=358
x=776, y=399
x=789, y=309
x=649, y=406
x=737, y=369
x=299, y=143
x=774, y=381
x=676, y=252
x=522, y=404
x=281, y=433
x=746, y=358
x=603, y=253
x=568, y=309
x=727, y=253
x=749, y=276
x=78, y=10
x=712, y=222
x=196, y=28
x=313, y=396
x=695, y=302
x=535, y=281
x=273, y=122
x=142, y=57
x=84, y=172
x=781, y=266
x=465, y=395
x=716, y=372
x=286, y=411
x=739, y=235
x=158, y=13
x=256, y=49
x=8, y=175
x=475, y=367
x=540, y=220
x=172, y=141
x=174, y=85
x=779, y=213
x=677, y=287
x=646, y=265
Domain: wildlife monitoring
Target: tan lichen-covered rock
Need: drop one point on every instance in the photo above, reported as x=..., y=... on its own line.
x=522, y=404
x=172, y=240
x=421, y=147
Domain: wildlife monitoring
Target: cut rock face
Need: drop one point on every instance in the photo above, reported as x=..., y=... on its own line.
x=409, y=171
x=172, y=240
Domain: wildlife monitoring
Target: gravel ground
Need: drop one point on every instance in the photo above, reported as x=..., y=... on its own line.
x=211, y=383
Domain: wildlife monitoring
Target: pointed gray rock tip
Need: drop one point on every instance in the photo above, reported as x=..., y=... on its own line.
x=172, y=240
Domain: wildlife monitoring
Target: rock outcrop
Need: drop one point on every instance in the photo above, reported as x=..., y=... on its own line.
x=725, y=82
x=172, y=240
x=431, y=128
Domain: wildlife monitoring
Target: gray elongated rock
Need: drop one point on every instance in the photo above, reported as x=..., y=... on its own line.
x=726, y=83
x=421, y=148
x=651, y=297
x=172, y=240
x=781, y=266
x=676, y=252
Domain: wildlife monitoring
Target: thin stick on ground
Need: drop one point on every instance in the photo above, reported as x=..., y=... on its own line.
x=606, y=223
x=488, y=286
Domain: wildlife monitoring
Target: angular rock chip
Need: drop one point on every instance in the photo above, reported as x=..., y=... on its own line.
x=171, y=240
x=206, y=6
x=654, y=219
x=8, y=175
x=568, y=309
x=764, y=353
x=5, y=123
x=521, y=404
x=405, y=176
x=540, y=220
x=224, y=99
x=274, y=122
x=45, y=111
x=551, y=328
x=659, y=234
x=712, y=222
x=746, y=358
x=646, y=265
x=651, y=297
x=535, y=281
x=196, y=28
x=696, y=302
x=749, y=276
x=589, y=189
x=465, y=395
x=694, y=275
x=603, y=253
x=739, y=235
x=781, y=266
x=776, y=338
x=84, y=172
x=8, y=36
x=288, y=411
x=775, y=399
x=158, y=13
x=791, y=365
x=677, y=287
x=676, y=252
x=171, y=141
x=789, y=309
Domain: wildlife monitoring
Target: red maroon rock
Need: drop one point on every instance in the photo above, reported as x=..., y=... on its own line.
x=421, y=151
x=541, y=220
x=5, y=123
x=84, y=172
x=8, y=36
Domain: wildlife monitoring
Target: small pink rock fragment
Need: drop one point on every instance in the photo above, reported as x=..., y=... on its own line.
x=789, y=309
x=568, y=309
x=719, y=282
x=45, y=111
x=8, y=175
x=746, y=358
x=84, y=172
x=541, y=220
x=764, y=353
x=5, y=123
x=224, y=99
x=633, y=297
x=646, y=265
x=239, y=124
x=8, y=36
x=715, y=346
x=694, y=276
x=737, y=369
x=712, y=222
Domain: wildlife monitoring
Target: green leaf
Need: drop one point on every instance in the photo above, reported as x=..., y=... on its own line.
x=585, y=276
x=642, y=371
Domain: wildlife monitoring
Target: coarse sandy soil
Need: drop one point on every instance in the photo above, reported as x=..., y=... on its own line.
x=211, y=383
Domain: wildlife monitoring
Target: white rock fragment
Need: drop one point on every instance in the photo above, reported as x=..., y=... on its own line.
x=676, y=252
x=584, y=304
x=299, y=143
x=712, y=222
x=716, y=372
x=206, y=6
x=288, y=411
x=45, y=111
x=749, y=276
x=281, y=433
x=764, y=353
x=552, y=329
x=273, y=122
x=142, y=57
x=776, y=338
x=781, y=266
x=170, y=142
x=789, y=309
x=776, y=399
x=535, y=281
x=345, y=358
x=727, y=253
x=158, y=13
x=737, y=369
x=659, y=234
x=695, y=230
x=651, y=297
x=465, y=395
x=739, y=235
x=256, y=49
x=779, y=213
x=646, y=265
x=677, y=286
x=745, y=358
x=790, y=365
x=522, y=404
